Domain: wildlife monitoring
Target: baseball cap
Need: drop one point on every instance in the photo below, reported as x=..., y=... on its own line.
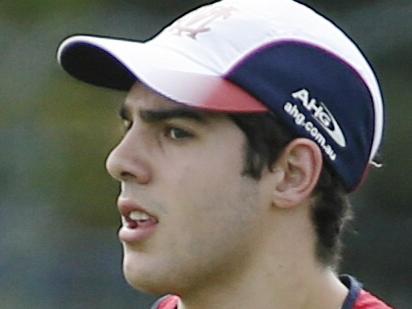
x=242, y=56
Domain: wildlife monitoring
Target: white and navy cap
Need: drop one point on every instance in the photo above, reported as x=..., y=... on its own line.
x=252, y=56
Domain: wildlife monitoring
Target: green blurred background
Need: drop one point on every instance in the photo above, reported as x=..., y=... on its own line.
x=58, y=219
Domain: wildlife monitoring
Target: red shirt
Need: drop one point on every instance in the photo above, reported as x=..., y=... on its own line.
x=358, y=298
x=168, y=302
x=367, y=301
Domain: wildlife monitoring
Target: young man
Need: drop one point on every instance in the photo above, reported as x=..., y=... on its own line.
x=247, y=124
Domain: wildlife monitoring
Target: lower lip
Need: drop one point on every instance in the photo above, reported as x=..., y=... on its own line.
x=137, y=234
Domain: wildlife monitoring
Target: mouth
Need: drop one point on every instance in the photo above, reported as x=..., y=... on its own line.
x=137, y=218
x=137, y=223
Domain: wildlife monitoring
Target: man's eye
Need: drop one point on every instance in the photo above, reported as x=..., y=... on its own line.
x=177, y=133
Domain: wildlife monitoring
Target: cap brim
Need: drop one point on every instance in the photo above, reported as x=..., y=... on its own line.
x=118, y=63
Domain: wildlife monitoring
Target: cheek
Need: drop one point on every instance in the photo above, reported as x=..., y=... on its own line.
x=210, y=191
x=215, y=212
x=201, y=171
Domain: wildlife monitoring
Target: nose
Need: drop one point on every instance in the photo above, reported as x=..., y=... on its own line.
x=127, y=163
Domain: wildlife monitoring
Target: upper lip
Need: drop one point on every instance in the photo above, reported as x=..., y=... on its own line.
x=126, y=206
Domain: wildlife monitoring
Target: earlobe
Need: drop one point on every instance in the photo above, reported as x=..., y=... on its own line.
x=297, y=173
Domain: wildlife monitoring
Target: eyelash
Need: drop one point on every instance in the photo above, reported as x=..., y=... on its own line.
x=169, y=133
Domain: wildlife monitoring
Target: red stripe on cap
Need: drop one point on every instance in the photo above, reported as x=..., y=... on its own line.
x=202, y=91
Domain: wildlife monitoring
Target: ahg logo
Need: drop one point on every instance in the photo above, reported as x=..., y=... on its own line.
x=322, y=115
x=198, y=21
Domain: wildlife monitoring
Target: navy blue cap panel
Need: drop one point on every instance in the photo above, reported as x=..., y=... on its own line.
x=318, y=96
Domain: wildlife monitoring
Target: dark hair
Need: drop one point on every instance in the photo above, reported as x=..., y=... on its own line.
x=266, y=138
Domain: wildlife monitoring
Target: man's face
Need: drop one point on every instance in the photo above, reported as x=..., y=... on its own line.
x=200, y=219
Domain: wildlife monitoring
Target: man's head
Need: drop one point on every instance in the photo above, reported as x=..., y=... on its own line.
x=269, y=91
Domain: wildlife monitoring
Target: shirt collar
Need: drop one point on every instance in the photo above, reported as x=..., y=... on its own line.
x=354, y=288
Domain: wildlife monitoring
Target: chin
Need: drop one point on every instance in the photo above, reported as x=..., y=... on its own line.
x=148, y=285
x=146, y=278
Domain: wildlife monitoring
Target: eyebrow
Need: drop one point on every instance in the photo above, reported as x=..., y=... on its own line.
x=158, y=115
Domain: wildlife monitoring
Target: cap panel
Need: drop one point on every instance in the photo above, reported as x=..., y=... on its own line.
x=318, y=96
x=215, y=35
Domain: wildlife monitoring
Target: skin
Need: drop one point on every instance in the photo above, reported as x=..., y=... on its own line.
x=223, y=240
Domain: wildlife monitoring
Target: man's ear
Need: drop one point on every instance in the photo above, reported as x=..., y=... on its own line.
x=297, y=170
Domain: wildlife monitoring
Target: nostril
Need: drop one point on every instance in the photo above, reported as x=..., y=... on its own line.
x=125, y=175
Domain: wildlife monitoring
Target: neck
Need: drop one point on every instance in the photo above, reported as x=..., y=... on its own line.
x=258, y=290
